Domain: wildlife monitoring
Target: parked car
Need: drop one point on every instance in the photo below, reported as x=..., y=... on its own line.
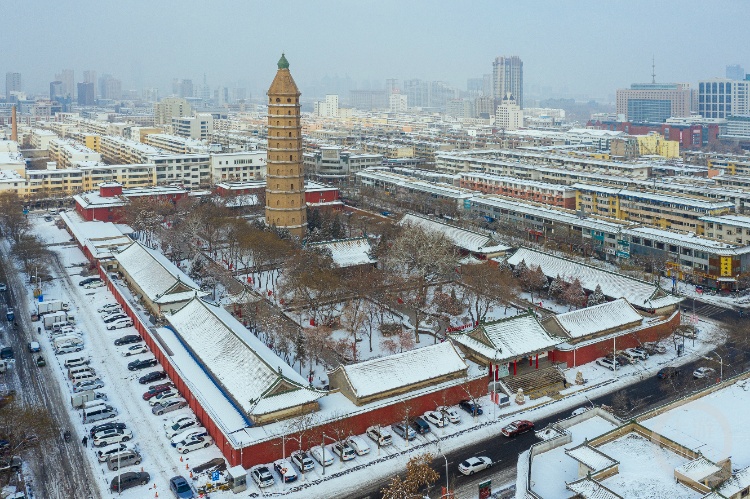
x=450, y=413
x=88, y=384
x=420, y=425
x=108, y=450
x=179, y=425
x=88, y=280
x=627, y=354
x=638, y=353
x=169, y=406
x=605, y=362
x=581, y=410
x=668, y=372
x=285, y=469
x=109, y=308
x=34, y=347
x=106, y=426
x=128, y=480
x=262, y=476
x=134, y=350
x=379, y=435
x=10, y=463
x=654, y=347
x=156, y=390
x=108, y=437
x=3, y=286
x=359, y=445
x=403, y=431
x=151, y=377
x=94, y=284
x=193, y=444
x=113, y=317
x=474, y=464
x=344, y=451
x=302, y=460
x=180, y=488
x=517, y=427
x=163, y=396
x=436, y=418
x=322, y=455
x=189, y=434
x=139, y=364
x=119, y=324
x=471, y=407
x=128, y=339
x=703, y=372
x=124, y=458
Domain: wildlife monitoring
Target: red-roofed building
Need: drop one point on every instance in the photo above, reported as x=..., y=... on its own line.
x=106, y=204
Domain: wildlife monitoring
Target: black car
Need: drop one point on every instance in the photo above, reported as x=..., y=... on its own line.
x=89, y=280
x=151, y=377
x=106, y=426
x=112, y=318
x=128, y=480
x=137, y=365
x=668, y=372
x=127, y=339
x=470, y=407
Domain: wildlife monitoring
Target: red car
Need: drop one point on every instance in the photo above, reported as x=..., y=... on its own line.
x=517, y=427
x=156, y=390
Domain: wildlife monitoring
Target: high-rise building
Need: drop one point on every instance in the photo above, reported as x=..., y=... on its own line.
x=391, y=85
x=56, y=91
x=368, y=99
x=86, y=96
x=12, y=83
x=186, y=88
x=654, y=102
x=171, y=107
x=509, y=115
x=398, y=103
x=285, y=180
x=507, y=78
x=417, y=92
x=328, y=107
x=67, y=78
x=89, y=76
x=109, y=87
x=723, y=97
x=735, y=72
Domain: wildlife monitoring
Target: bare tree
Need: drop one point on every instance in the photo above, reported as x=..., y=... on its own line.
x=12, y=219
x=419, y=474
x=485, y=286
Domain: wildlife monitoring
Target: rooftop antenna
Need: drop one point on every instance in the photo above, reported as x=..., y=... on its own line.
x=653, y=70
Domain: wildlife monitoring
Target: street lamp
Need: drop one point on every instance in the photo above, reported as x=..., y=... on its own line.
x=447, y=486
x=721, y=365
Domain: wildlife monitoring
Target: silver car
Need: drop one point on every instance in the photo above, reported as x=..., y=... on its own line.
x=169, y=406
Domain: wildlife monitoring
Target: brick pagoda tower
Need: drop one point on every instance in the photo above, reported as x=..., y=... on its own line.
x=285, y=177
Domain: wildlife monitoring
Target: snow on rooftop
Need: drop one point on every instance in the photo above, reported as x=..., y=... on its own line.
x=591, y=489
x=155, y=274
x=468, y=240
x=646, y=469
x=590, y=457
x=736, y=484
x=101, y=238
x=349, y=252
x=255, y=377
x=403, y=369
x=508, y=339
x=598, y=318
x=639, y=293
x=699, y=469
x=715, y=424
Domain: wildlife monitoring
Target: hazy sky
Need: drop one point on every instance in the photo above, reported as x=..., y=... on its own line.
x=586, y=47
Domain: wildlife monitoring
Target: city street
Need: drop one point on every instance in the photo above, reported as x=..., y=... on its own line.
x=58, y=468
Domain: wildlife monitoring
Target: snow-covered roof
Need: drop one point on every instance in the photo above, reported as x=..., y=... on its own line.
x=603, y=317
x=698, y=469
x=468, y=240
x=251, y=374
x=733, y=220
x=348, y=252
x=384, y=374
x=158, y=278
x=590, y=457
x=639, y=293
x=101, y=238
x=591, y=489
x=736, y=484
x=508, y=339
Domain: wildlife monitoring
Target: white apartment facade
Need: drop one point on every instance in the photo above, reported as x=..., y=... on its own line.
x=238, y=166
x=198, y=127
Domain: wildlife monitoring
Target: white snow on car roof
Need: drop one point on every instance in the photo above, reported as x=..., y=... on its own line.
x=384, y=374
x=159, y=279
x=599, y=318
x=256, y=378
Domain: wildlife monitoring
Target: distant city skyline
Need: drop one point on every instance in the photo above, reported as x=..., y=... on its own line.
x=582, y=49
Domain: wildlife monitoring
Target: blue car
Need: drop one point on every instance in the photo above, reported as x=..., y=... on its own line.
x=470, y=407
x=180, y=487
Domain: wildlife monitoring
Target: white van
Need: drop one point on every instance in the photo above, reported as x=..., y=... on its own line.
x=71, y=319
x=76, y=362
x=98, y=413
x=103, y=453
x=83, y=377
x=67, y=348
x=92, y=403
x=67, y=338
x=80, y=369
x=120, y=323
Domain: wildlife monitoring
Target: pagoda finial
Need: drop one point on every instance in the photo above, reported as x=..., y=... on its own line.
x=283, y=63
